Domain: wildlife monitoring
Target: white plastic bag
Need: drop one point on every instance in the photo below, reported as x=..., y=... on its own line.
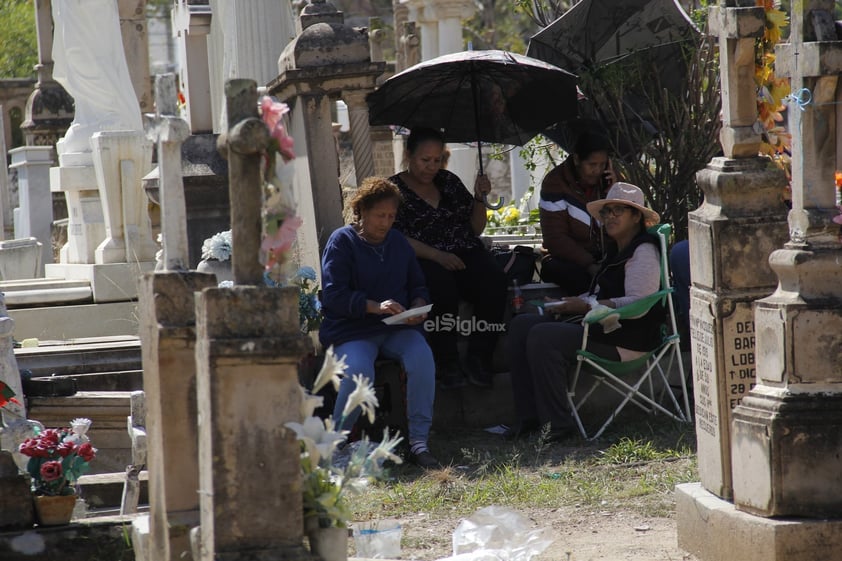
x=497, y=533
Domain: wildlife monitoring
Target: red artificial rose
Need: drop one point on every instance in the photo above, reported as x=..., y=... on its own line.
x=50, y=471
x=86, y=452
x=51, y=437
x=28, y=446
x=65, y=449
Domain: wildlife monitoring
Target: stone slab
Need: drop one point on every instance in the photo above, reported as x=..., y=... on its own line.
x=110, y=282
x=714, y=530
x=79, y=320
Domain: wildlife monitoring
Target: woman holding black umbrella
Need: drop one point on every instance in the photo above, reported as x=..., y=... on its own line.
x=443, y=221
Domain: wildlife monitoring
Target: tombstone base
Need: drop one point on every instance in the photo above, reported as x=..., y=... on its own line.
x=788, y=445
x=110, y=282
x=713, y=529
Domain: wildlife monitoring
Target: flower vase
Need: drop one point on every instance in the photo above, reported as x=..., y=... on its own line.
x=222, y=269
x=330, y=544
x=54, y=510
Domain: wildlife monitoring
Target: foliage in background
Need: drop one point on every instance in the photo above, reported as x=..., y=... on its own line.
x=18, y=40
x=496, y=26
x=686, y=126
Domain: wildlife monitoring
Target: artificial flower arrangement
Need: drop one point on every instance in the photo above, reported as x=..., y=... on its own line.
x=217, y=246
x=327, y=482
x=309, y=306
x=57, y=457
x=513, y=218
x=280, y=219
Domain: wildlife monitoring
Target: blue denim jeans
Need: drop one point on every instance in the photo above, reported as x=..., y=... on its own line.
x=410, y=348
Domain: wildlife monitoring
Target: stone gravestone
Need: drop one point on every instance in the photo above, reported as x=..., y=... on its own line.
x=168, y=336
x=787, y=430
x=741, y=221
x=247, y=353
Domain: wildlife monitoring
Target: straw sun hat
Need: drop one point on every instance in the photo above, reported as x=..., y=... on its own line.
x=626, y=194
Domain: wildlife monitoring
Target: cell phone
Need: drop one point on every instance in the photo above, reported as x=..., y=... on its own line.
x=606, y=181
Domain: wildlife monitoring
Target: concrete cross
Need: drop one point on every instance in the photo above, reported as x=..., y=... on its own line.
x=813, y=60
x=169, y=132
x=243, y=144
x=737, y=27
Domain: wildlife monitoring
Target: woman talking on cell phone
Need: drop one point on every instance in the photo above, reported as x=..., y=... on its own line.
x=573, y=243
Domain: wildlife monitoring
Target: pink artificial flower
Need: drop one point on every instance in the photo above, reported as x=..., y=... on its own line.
x=281, y=241
x=50, y=471
x=272, y=113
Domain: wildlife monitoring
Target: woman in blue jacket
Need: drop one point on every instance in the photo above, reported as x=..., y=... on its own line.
x=369, y=272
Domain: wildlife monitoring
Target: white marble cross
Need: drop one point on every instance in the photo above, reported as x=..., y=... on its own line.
x=169, y=132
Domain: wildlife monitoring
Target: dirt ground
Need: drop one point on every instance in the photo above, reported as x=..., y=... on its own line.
x=609, y=535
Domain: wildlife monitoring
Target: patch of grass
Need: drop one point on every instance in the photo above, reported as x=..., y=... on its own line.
x=637, y=469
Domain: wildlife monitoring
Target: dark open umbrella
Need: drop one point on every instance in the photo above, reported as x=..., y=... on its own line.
x=483, y=96
x=596, y=33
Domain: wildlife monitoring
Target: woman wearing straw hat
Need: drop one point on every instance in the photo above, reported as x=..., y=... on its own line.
x=540, y=348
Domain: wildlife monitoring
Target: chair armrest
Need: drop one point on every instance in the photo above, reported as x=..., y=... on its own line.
x=633, y=310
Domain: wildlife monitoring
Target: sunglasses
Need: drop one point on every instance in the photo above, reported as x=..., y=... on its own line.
x=615, y=211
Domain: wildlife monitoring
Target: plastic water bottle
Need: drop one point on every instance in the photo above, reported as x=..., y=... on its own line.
x=517, y=298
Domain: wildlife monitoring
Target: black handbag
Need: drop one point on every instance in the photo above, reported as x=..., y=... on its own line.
x=517, y=262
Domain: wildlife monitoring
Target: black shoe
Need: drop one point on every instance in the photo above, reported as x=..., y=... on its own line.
x=521, y=429
x=424, y=460
x=449, y=376
x=478, y=374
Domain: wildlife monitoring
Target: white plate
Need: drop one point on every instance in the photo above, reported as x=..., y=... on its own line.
x=410, y=313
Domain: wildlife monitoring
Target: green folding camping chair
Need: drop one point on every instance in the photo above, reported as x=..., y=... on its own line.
x=633, y=379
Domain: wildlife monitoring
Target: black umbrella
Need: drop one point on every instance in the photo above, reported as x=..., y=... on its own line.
x=483, y=96
x=596, y=33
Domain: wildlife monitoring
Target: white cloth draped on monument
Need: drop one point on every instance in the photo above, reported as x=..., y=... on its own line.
x=91, y=65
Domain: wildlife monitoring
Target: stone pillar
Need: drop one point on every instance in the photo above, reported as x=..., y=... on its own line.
x=191, y=26
x=376, y=36
x=325, y=42
x=167, y=331
x=410, y=42
x=49, y=109
x=121, y=159
x=788, y=431
x=450, y=14
x=741, y=221
x=247, y=352
x=246, y=38
x=400, y=13
x=168, y=337
x=6, y=222
x=34, y=216
x=360, y=133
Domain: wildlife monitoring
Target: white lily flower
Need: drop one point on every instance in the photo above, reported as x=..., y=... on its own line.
x=319, y=440
x=331, y=370
x=309, y=403
x=363, y=396
x=385, y=450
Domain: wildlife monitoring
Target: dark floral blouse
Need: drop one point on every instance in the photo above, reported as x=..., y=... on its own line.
x=446, y=228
